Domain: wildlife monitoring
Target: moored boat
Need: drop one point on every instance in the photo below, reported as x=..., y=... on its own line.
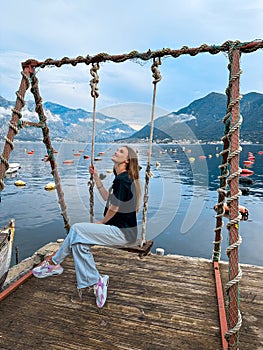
x=13, y=168
x=6, y=244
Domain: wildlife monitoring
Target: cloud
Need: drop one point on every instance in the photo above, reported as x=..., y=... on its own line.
x=73, y=27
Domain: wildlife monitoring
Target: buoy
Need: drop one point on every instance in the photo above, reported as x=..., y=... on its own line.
x=159, y=251
x=20, y=183
x=50, y=186
x=191, y=159
x=68, y=161
x=242, y=210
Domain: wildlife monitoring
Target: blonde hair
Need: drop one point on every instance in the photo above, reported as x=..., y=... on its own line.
x=133, y=169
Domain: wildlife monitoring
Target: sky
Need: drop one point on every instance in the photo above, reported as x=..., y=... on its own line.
x=58, y=28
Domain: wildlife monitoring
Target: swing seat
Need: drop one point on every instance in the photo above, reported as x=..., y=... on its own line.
x=137, y=248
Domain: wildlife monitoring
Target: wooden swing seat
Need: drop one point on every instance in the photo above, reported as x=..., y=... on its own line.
x=137, y=248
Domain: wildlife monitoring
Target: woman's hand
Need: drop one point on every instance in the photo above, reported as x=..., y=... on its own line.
x=93, y=170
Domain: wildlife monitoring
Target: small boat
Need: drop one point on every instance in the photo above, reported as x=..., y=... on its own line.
x=246, y=172
x=77, y=154
x=260, y=152
x=247, y=162
x=13, y=168
x=31, y=152
x=97, y=159
x=202, y=157
x=100, y=153
x=6, y=244
x=86, y=156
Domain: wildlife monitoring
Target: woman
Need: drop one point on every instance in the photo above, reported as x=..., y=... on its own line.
x=118, y=226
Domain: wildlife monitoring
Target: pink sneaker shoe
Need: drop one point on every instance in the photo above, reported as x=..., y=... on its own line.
x=46, y=270
x=100, y=290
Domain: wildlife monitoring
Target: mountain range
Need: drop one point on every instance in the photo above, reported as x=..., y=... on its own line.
x=200, y=121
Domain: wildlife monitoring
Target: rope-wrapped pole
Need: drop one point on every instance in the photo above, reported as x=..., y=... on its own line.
x=46, y=140
x=157, y=77
x=95, y=94
x=235, y=320
x=224, y=172
x=13, y=124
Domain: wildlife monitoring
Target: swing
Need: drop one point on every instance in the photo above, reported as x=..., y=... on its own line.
x=142, y=247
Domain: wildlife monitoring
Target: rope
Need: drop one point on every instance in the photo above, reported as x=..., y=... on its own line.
x=157, y=77
x=245, y=47
x=234, y=119
x=13, y=125
x=95, y=94
x=46, y=140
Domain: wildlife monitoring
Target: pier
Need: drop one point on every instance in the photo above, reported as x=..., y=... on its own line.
x=155, y=302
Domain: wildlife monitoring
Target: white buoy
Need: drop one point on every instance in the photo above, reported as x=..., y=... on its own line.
x=159, y=251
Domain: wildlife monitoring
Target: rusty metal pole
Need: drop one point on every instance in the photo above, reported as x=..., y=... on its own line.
x=234, y=228
x=16, y=115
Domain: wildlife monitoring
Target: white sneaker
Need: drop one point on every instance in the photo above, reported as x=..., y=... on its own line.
x=46, y=270
x=100, y=290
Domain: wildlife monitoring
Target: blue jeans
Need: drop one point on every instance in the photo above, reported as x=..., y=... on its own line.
x=79, y=240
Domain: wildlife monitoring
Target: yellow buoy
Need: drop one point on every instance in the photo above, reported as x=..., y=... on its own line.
x=20, y=183
x=50, y=186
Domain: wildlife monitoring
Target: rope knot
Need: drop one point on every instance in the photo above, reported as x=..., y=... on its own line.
x=94, y=82
x=156, y=73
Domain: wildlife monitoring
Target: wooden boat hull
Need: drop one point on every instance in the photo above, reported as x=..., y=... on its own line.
x=6, y=244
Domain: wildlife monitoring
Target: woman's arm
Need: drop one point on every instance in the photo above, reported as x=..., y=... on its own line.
x=113, y=209
x=102, y=190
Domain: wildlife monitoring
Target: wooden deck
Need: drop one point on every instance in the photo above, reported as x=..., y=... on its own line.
x=153, y=303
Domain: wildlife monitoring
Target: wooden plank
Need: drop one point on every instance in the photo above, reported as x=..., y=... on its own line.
x=153, y=303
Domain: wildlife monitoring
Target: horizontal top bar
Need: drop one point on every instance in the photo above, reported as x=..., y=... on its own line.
x=245, y=47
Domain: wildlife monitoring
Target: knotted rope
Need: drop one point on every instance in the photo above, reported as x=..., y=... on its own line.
x=95, y=94
x=157, y=77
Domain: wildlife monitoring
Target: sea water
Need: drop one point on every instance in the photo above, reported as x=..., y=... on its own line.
x=182, y=194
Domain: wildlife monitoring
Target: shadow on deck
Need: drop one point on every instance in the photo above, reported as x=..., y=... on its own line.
x=153, y=303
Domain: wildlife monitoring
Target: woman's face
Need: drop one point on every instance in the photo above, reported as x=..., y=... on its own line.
x=120, y=155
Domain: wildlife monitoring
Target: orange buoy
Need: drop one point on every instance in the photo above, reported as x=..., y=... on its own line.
x=242, y=210
x=68, y=161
